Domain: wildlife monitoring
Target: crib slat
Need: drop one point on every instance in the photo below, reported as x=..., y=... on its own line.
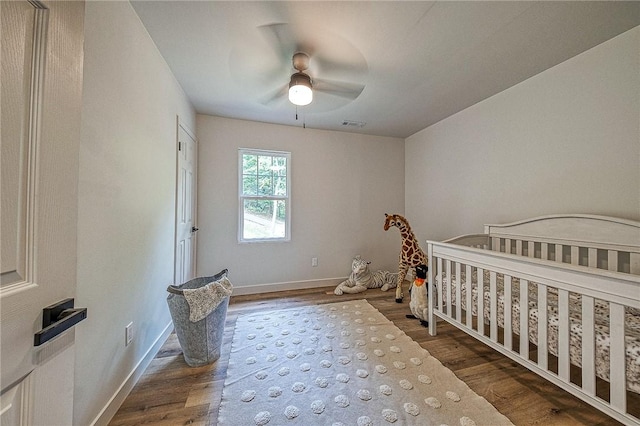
x=495, y=244
x=544, y=251
x=575, y=255
x=458, y=292
x=558, y=253
x=438, y=300
x=617, y=357
x=531, y=249
x=469, y=309
x=634, y=259
x=507, y=245
x=480, y=301
x=448, y=286
x=431, y=290
x=508, y=341
x=593, y=257
x=524, y=319
x=543, y=321
x=588, y=346
x=563, y=334
x=493, y=326
x=519, y=247
x=612, y=260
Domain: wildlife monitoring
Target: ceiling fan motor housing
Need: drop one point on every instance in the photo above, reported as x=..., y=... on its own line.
x=300, y=78
x=300, y=61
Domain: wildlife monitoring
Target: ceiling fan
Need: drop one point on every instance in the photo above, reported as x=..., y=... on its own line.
x=315, y=55
x=300, y=86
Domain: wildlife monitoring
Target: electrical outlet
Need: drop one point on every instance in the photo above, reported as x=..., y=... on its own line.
x=314, y=261
x=128, y=334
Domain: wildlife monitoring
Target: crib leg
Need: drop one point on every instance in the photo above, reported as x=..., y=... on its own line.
x=432, y=325
x=431, y=294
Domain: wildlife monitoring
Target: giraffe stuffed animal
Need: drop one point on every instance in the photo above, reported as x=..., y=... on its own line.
x=411, y=255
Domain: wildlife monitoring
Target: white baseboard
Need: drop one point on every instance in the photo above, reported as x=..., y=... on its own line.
x=292, y=285
x=114, y=403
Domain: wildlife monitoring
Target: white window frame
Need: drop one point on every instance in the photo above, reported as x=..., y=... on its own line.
x=242, y=197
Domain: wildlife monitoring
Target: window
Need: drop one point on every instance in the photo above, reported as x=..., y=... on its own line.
x=264, y=188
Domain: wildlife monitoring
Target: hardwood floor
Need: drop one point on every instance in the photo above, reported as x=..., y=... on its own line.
x=172, y=393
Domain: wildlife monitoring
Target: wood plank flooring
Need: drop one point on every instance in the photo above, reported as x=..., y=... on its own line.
x=172, y=393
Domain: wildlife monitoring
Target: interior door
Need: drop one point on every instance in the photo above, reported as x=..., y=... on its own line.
x=41, y=99
x=186, y=229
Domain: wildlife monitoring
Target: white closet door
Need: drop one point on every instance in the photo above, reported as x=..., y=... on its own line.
x=186, y=228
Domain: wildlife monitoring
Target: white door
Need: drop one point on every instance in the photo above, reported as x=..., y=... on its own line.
x=41, y=99
x=185, y=260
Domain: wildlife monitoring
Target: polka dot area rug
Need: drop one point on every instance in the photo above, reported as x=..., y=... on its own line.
x=340, y=364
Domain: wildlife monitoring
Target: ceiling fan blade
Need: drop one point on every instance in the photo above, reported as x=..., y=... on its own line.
x=349, y=68
x=280, y=38
x=275, y=96
x=285, y=41
x=338, y=88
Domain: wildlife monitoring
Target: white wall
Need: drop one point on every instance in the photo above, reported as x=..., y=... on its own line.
x=342, y=186
x=126, y=208
x=564, y=141
x=567, y=140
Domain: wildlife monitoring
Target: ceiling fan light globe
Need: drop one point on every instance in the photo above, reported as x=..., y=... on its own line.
x=300, y=95
x=300, y=92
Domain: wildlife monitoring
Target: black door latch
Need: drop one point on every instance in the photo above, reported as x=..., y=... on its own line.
x=57, y=318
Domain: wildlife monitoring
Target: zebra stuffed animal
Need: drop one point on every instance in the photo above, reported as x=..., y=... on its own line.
x=362, y=278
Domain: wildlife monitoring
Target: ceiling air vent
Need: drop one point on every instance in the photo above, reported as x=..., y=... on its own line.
x=350, y=123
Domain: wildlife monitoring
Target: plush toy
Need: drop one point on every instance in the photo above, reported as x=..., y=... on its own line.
x=419, y=303
x=411, y=255
x=362, y=278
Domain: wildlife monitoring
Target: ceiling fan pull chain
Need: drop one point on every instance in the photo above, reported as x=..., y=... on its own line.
x=304, y=118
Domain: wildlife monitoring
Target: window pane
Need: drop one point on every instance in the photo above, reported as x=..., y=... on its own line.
x=249, y=185
x=280, y=166
x=264, y=164
x=249, y=164
x=264, y=219
x=249, y=174
x=280, y=185
x=264, y=175
x=265, y=185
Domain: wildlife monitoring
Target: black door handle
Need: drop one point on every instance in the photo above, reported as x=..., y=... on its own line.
x=194, y=229
x=57, y=318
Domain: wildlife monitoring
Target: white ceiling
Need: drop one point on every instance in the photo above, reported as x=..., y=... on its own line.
x=419, y=61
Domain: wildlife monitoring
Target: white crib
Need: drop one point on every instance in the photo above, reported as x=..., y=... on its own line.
x=577, y=277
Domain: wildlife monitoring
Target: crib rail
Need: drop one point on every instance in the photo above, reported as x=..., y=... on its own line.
x=551, y=267
x=593, y=241
x=618, y=258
